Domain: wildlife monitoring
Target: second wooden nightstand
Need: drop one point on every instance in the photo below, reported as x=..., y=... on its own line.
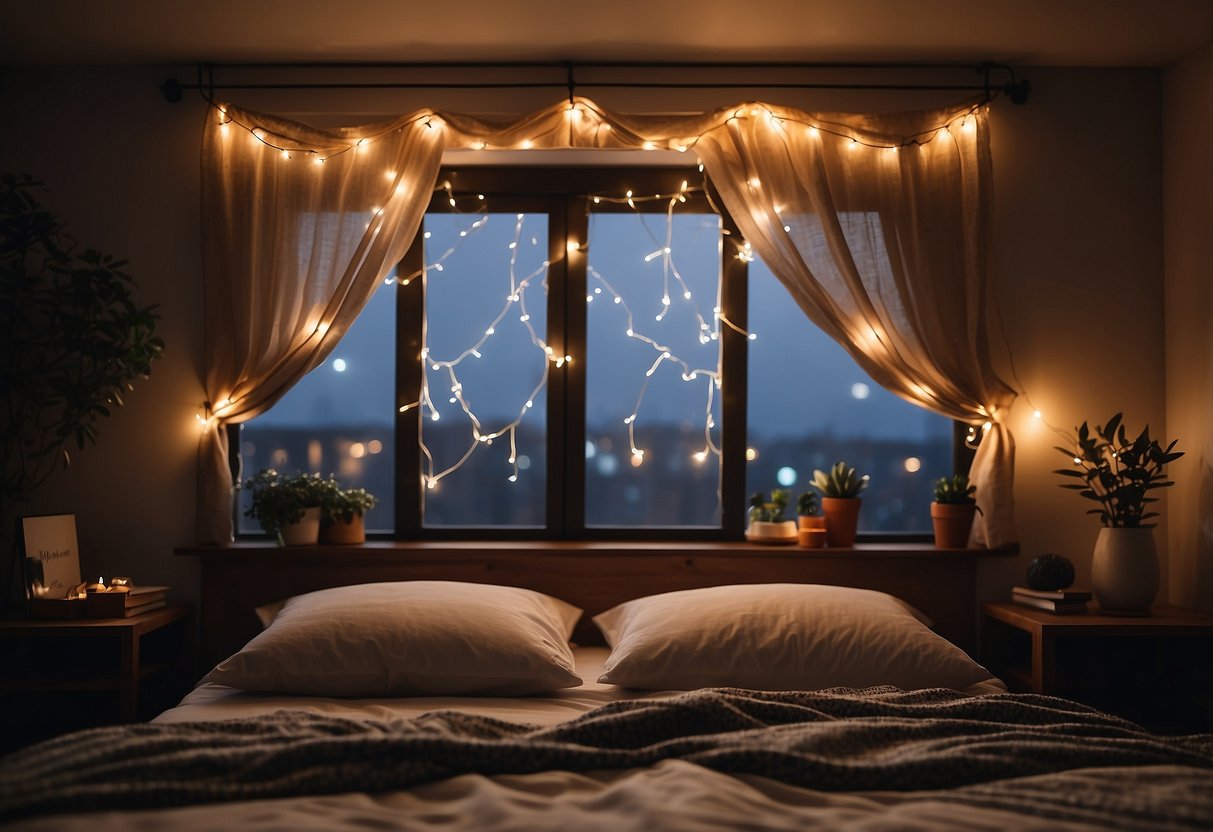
x=1156, y=670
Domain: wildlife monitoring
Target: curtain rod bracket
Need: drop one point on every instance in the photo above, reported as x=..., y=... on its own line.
x=1014, y=89
x=172, y=90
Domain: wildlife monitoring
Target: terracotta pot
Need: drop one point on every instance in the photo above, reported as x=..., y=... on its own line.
x=351, y=533
x=812, y=538
x=810, y=521
x=842, y=518
x=1124, y=570
x=304, y=533
x=953, y=522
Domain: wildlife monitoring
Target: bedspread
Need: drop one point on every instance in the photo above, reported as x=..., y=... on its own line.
x=875, y=740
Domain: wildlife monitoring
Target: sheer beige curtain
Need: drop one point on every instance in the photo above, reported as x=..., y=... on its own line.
x=299, y=226
x=877, y=225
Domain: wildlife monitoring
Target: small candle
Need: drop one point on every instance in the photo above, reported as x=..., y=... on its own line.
x=97, y=587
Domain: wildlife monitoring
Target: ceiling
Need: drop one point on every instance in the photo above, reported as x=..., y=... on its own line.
x=1023, y=32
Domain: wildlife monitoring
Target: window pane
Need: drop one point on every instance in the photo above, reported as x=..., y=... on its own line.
x=811, y=405
x=652, y=405
x=483, y=419
x=338, y=419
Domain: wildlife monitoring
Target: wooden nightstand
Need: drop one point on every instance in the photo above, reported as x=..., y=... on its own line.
x=58, y=676
x=1155, y=670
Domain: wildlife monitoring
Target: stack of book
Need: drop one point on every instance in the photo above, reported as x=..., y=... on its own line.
x=139, y=600
x=1056, y=601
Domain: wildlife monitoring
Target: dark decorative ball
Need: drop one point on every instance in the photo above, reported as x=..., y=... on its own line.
x=1050, y=572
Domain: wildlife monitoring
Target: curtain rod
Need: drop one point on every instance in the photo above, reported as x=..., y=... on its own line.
x=1015, y=89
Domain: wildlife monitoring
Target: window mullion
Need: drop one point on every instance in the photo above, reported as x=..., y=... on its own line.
x=734, y=276
x=558, y=482
x=576, y=218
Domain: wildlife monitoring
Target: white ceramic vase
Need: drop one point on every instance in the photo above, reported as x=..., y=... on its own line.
x=304, y=533
x=1124, y=570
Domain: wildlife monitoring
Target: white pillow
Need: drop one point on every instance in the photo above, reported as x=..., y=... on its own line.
x=413, y=638
x=778, y=637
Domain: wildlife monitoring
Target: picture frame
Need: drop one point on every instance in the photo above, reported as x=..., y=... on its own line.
x=51, y=556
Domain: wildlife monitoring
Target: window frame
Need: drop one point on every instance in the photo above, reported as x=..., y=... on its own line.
x=563, y=193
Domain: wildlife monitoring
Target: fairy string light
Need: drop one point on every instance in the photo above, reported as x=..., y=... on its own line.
x=585, y=116
x=707, y=332
x=515, y=302
x=581, y=117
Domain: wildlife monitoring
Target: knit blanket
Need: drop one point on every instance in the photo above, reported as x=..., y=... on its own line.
x=834, y=740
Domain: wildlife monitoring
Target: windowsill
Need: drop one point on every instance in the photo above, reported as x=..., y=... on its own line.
x=386, y=548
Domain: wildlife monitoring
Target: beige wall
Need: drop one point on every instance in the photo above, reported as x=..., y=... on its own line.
x=1188, y=246
x=121, y=168
x=1078, y=246
x=1078, y=250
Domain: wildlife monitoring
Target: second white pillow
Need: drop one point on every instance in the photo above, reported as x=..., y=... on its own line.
x=778, y=637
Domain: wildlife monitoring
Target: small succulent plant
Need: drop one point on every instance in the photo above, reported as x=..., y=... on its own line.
x=841, y=481
x=806, y=504
x=954, y=490
x=768, y=511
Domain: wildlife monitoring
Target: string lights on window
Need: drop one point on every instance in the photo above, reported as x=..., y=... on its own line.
x=587, y=126
x=707, y=330
x=515, y=303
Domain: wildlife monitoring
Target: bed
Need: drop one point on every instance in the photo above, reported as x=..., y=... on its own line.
x=779, y=705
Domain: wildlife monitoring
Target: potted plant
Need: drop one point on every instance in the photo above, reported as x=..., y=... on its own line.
x=808, y=512
x=840, y=489
x=810, y=525
x=341, y=515
x=74, y=338
x=1119, y=474
x=953, y=511
x=767, y=523
x=288, y=507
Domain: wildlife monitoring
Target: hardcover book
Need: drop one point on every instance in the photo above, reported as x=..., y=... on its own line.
x=139, y=600
x=1050, y=604
x=1053, y=594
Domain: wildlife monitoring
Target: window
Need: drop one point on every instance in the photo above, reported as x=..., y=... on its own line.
x=337, y=419
x=569, y=365
x=811, y=406
x=652, y=402
x=485, y=366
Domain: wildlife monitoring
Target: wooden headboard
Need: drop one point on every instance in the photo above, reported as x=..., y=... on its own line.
x=594, y=576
